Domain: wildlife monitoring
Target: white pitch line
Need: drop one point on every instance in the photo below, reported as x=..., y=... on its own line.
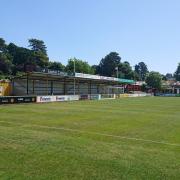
x=96, y=133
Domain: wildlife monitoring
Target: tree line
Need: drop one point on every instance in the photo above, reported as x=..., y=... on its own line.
x=15, y=60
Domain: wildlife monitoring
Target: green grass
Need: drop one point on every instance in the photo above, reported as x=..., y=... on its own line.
x=33, y=145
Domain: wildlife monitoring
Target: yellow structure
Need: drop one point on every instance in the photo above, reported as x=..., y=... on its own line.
x=5, y=88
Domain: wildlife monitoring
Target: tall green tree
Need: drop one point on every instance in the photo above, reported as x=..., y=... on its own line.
x=57, y=66
x=25, y=59
x=5, y=64
x=2, y=45
x=168, y=76
x=15, y=58
x=142, y=70
x=40, y=59
x=177, y=73
x=80, y=66
x=39, y=55
x=5, y=58
x=154, y=80
x=21, y=57
x=95, y=69
x=38, y=46
x=108, y=64
x=125, y=71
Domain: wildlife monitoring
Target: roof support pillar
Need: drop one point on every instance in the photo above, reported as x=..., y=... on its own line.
x=27, y=84
x=52, y=89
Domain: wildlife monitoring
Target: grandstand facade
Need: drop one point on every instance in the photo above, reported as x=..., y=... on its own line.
x=56, y=83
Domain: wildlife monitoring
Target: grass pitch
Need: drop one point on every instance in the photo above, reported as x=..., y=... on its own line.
x=137, y=138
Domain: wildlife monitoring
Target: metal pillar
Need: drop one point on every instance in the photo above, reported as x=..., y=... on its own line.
x=27, y=85
x=89, y=87
x=98, y=88
x=52, y=88
x=33, y=86
x=78, y=88
x=64, y=86
x=74, y=77
x=47, y=89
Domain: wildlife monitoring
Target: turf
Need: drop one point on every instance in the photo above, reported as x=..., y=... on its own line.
x=34, y=145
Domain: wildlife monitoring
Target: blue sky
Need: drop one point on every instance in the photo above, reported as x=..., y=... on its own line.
x=139, y=30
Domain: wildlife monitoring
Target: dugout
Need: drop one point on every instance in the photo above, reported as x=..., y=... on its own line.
x=39, y=83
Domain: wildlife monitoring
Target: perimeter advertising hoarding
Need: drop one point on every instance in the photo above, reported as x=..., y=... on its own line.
x=84, y=97
x=108, y=96
x=167, y=95
x=61, y=98
x=67, y=98
x=17, y=99
x=95, y=97
x=43, y=99
x=46, y=99
x=90, y=97
x=73, y=97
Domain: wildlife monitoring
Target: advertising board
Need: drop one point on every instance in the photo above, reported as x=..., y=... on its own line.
x=73, y=97
x=17, y=99
x=43, y=99
x=84, y=97
x=95, y=97
x=61, y=98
